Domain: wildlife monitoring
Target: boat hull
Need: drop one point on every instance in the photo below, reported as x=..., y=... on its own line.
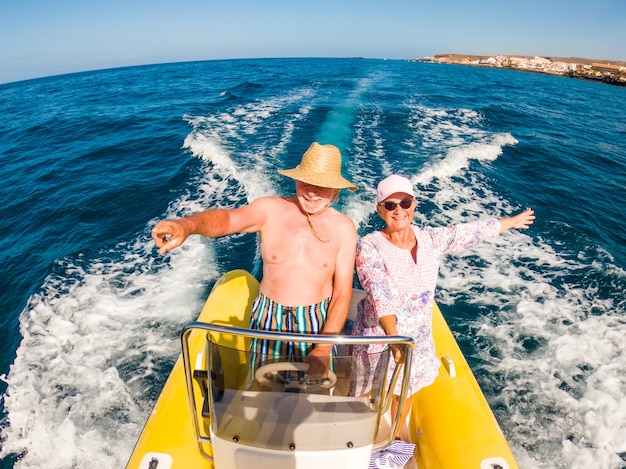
x=169, y=434
x=450, y=422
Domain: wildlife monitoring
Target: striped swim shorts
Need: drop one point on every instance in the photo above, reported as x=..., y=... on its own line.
x=267, y=315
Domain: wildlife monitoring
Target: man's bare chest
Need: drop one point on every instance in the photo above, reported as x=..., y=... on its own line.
x=299, y=246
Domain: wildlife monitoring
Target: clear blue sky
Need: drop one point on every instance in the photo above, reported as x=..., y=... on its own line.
x=50, y=37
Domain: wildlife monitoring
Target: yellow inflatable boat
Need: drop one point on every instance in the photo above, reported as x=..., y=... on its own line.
x=223, y=408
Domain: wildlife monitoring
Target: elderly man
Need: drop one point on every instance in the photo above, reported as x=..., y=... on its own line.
x=308, y=251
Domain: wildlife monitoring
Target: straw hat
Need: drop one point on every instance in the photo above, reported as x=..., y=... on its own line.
x=320, y=166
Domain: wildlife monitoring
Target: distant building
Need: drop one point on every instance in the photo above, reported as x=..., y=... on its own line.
x=610, y=68
x=570, y=67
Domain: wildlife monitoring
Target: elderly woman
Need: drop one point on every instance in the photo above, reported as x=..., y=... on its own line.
x=398, y=269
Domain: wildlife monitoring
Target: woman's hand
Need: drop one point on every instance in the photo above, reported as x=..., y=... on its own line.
x=520, y=221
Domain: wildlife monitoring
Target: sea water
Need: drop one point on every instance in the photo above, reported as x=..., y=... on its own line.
x=91, y=313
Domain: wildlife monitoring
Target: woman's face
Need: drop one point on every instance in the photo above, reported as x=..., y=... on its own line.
x=314, y=198
x=397, y=211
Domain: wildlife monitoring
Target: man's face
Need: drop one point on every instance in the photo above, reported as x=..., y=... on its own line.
x=314, y=198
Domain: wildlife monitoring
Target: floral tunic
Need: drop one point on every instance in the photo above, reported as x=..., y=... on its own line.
x=396, y=285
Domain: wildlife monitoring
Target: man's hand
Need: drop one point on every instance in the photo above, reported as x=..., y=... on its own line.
x=319, y=361
x=169, y=234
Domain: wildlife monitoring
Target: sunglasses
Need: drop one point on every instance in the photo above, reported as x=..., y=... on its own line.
x=391, y=206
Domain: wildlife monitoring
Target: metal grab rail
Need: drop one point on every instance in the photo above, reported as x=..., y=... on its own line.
x=408, y=342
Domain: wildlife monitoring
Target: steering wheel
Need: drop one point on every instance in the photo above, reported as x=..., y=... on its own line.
x=269, y=375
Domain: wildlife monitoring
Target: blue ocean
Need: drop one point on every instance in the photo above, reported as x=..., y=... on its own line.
x=91, y=313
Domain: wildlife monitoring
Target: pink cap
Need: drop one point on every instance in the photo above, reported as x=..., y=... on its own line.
x=391, y=185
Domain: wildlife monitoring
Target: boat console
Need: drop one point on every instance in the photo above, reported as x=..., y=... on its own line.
x=267, y=412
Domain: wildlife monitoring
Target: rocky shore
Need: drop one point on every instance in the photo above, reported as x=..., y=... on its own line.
x=611, y=72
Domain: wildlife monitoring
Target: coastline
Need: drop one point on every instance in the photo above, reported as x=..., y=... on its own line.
x=609, y=72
